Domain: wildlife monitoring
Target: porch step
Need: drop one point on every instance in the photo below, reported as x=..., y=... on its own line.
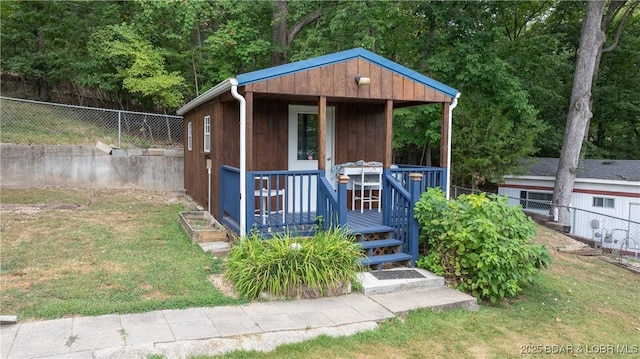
x=386, y=258
x=371, y=229
x=380, y=243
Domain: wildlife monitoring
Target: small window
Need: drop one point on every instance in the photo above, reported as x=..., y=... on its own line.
x=207, y=133
x=307, y=136
x=189, y=136
x=536, y=200
x=603, y=202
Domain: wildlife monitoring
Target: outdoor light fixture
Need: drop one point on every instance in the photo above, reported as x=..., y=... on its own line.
x=361, y=80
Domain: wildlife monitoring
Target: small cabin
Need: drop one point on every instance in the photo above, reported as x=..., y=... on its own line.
x=308, y=144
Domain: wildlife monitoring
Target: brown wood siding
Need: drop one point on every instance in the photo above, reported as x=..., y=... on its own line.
x=359, y=132
x=231, y=134
x=338, y=80
x=195, y=161
x=225, y=134
x=270, y=135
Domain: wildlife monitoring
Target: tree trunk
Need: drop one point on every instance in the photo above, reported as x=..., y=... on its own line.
x=426, y=155
x=279, y=33
x=282, y=36
x=43, y=89
x=607, y=19
x=41, y=82
x=412, y=154
x=591, y=40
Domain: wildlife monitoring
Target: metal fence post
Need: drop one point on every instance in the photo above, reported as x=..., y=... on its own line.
x=119, y=128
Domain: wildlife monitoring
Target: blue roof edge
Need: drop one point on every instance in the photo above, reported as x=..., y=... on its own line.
x=260, y=75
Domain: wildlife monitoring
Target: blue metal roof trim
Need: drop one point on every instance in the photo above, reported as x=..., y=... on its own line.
x=272, y=72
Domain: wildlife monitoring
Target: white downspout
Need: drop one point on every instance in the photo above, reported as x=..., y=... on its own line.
x=451, y=107
x=243, y=155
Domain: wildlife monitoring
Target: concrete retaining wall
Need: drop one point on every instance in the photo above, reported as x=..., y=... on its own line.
x=26, y=166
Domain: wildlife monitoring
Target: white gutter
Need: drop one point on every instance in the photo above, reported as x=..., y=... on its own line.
x=243, y=155
x=451, y=107
x=218, y=89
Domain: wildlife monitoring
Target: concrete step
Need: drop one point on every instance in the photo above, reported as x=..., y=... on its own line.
x=217, y=249
x=437, y=299
x=398, y=280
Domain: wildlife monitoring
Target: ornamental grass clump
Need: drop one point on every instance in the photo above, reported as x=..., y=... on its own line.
x=287, y=266
x=480, y=243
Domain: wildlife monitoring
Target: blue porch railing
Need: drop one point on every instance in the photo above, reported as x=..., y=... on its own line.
x=229, y=201
x=276, y=200
x=332, y=204
x=295, y=200
x=431, y=176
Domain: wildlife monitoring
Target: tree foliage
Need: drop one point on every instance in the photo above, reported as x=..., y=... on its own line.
x=138, y=66
x=513, y=62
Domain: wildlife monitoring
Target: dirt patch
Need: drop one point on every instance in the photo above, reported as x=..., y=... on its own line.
x=556, y=240
x=223, y=285
x=157, y=295
x=479, y=352
x=31, y=209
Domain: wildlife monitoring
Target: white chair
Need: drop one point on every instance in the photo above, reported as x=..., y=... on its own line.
x=265, y=193
x=369, y=179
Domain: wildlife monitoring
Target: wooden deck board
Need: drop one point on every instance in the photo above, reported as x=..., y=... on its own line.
x=363, y=222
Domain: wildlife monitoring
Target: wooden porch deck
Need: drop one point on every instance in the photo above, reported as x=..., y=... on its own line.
x=366, y=222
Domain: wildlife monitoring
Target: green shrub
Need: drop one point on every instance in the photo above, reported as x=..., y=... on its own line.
x=480, y=243
x=293, y=267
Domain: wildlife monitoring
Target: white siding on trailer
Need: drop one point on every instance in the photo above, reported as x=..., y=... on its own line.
x=610, y=232
x=580, y=200
x=634, y=228
x=537, y=182
x=511, y=193
x=531, y=186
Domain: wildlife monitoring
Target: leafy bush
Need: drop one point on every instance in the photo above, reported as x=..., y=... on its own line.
x=293, y=267
x=481, y=243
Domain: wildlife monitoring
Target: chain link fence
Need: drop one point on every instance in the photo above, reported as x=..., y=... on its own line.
x=43, y=123
x=618, y=238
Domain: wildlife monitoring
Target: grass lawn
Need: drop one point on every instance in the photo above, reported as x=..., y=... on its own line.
x=580, y=302
x=88, y=252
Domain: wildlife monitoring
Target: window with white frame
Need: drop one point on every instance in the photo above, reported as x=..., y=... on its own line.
x=189, y=136
x=207, y=133
x=603, y=202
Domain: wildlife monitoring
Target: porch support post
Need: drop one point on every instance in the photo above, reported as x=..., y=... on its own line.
x=388, y=134
x=444, y=136
x=414, y=195
x=322, y=133
x=342, y=199
x=249, y=134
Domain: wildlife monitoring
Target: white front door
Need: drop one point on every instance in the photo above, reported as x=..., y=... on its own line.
x=303, y=151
